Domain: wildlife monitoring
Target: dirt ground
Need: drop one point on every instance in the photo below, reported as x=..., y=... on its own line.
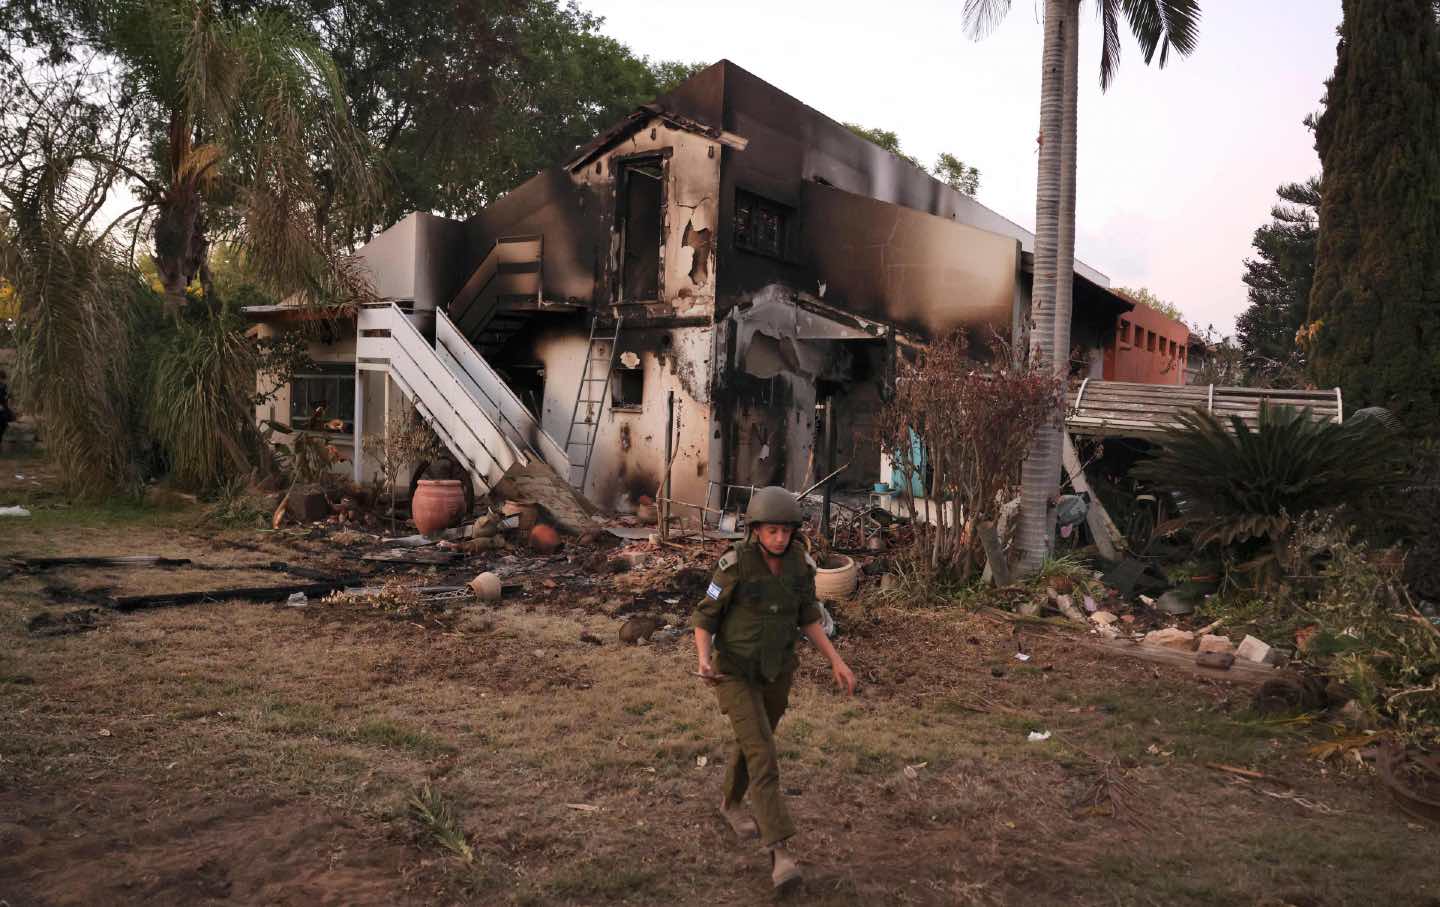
x=244, y=753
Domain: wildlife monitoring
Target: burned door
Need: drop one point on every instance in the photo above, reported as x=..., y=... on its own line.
x=640, y=222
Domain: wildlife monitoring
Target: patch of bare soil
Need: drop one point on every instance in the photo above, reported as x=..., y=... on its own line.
x=245, y=753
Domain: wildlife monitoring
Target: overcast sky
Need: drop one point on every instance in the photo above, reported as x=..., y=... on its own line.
x=1177, y=167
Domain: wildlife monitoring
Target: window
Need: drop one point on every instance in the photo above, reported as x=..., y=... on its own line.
x=640, y=231
x=1124, y=331
x=321, y=394
x=1172, y=349
x=627, y=388
x=760, y=224
x=1150, y=341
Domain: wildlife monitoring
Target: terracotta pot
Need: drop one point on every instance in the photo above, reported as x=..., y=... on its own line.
x=837, y=578
x=486, y=586
x=544, y=539
x=437, y=505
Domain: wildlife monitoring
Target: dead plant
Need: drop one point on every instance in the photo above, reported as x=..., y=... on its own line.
x=962, y=426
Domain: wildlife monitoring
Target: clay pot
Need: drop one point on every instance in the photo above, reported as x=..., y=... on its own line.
x=437, y=505
x=837, y=578
x=544, y=539
x=486, y=586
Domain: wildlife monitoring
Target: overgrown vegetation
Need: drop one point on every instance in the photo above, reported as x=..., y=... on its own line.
x=961, y=426
x=1349, y=615
x=1244, y=486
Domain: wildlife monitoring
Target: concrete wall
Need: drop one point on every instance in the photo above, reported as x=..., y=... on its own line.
x=421, y=258
x=629, y=455
x=690, y=215
x=889, y=262
x=372, y=419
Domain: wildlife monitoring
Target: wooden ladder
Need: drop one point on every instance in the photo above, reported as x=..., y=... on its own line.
x=590, y=401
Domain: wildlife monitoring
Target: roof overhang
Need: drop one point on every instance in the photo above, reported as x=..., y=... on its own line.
x=1101, y=301
x=293, y=314
x=637, y=120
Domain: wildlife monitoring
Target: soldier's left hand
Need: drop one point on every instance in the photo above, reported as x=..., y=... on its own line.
x=844, y=677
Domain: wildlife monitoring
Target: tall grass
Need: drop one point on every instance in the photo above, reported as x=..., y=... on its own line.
x=200, y=399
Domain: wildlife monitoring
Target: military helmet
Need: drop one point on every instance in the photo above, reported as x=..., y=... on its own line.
x=773, y=505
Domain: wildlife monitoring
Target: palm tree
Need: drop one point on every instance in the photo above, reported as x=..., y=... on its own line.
x=1159, y=26
x=251, y=137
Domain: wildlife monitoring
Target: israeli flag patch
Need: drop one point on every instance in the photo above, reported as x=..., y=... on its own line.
x=713, y=591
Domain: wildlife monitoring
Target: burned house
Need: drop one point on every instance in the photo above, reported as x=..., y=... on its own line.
x=678, y=297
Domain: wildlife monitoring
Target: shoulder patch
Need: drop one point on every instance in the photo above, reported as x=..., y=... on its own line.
x=714, y=591
x=728, y=560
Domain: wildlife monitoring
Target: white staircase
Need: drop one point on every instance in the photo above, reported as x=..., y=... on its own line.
x=476, y=415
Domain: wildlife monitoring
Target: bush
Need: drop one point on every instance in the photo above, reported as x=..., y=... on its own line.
x=1243, y=486
x=976, y=419
x=1356, y=623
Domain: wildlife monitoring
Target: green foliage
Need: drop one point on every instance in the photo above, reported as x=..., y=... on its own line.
x=234, y=506
x=1279, y=279
x=1361, y=626
x=948, y=168
x=1244, y=486
x=1374, y=319
x=73, y=297
x=954, y=173
x=200, y=405
x=1145, y=297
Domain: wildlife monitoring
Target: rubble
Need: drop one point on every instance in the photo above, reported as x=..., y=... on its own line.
x=1171, y=638
x=1257, y=651
x=1218, y=644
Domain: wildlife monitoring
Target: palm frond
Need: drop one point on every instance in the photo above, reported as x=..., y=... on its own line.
x=981, y=17
x=1110, y=43
x=1160, y=25
x=1250, y=482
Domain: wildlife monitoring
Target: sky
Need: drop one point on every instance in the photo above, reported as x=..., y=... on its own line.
x=1177, y=166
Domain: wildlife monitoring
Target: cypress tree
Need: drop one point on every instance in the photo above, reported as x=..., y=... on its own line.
x=1374, y=325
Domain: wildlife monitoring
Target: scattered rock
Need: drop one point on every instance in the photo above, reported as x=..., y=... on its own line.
x=1218, y=660
x=638, y=629
x=1258, y=651
x=307, y=504
x=1214, y=643
x=1103, y=618
x=1171, y=638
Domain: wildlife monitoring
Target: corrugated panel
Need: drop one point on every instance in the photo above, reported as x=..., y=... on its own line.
x=1125, y=409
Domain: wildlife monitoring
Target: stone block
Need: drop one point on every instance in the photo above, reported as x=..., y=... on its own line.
x=1215, y=643
x=1171, y=638
x=1258, y=651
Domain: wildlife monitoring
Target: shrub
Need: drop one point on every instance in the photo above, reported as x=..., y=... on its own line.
x=1244, y=486
x=976, y=419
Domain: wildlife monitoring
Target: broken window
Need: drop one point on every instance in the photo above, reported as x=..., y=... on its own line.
x=321, y=394
x=760, y=224
x=1150, y=341
x=627, y=388
x=1124, y=331
x=640, y=230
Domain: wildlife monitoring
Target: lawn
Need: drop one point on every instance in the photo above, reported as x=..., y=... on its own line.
x=245, y=753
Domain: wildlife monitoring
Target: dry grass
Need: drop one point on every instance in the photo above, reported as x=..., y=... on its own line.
x=224, y=720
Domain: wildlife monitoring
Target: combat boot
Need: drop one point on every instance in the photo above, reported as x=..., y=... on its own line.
x=740, y=821
x=784, y=871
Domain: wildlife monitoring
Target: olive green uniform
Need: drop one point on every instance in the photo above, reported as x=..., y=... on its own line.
x=755, y=617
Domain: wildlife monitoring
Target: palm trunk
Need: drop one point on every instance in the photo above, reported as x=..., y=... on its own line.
x=1040, y=475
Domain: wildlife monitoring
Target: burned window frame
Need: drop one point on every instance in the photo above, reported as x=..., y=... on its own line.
x=747, y=204
x=621, y=167
x=340, y=376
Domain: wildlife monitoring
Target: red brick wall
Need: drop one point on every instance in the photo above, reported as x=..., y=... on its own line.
x=1148, y=348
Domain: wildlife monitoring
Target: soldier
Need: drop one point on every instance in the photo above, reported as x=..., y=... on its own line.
x=760, y=601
